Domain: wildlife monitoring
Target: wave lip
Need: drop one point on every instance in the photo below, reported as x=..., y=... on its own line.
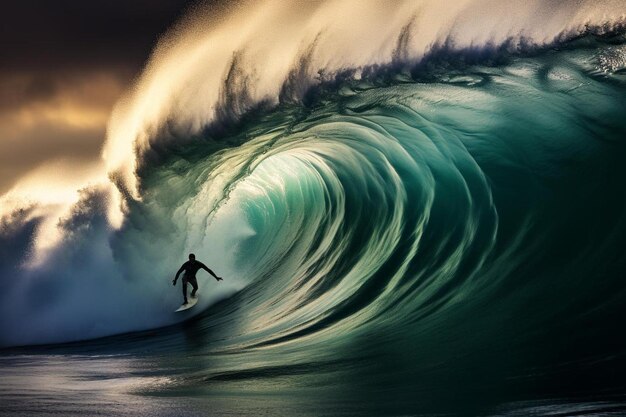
x=273, y=50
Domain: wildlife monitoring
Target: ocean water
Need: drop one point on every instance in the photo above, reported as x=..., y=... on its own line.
x=421, y=233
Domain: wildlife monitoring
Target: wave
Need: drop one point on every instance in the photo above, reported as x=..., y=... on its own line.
x=360, y=175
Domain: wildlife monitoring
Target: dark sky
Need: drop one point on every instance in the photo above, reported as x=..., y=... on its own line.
x=63, y=65
x=83, y=34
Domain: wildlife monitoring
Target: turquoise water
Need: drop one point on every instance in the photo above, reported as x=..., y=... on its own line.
x=442, y=238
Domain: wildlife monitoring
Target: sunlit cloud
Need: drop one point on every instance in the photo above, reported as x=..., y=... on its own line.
x=46, y=118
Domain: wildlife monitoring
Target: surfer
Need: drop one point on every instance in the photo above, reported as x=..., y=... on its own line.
x=191, y=267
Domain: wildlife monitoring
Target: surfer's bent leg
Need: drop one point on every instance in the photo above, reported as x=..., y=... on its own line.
x=194, y=284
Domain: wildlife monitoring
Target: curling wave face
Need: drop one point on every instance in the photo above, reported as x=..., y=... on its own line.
x=406, y=205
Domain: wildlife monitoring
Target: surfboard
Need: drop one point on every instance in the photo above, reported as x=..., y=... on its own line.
x=191, y=301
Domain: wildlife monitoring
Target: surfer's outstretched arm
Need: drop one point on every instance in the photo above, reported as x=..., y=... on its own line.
x=182, y=268
x=203, y=266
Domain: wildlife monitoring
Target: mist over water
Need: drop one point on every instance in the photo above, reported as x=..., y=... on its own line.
x=407, y=205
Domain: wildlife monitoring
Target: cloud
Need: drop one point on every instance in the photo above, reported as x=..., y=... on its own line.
x=47, y=117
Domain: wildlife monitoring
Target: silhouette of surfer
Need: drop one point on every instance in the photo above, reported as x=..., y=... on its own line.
x=191, y=267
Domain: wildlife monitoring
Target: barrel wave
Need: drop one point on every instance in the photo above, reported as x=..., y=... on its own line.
x=431, y=231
